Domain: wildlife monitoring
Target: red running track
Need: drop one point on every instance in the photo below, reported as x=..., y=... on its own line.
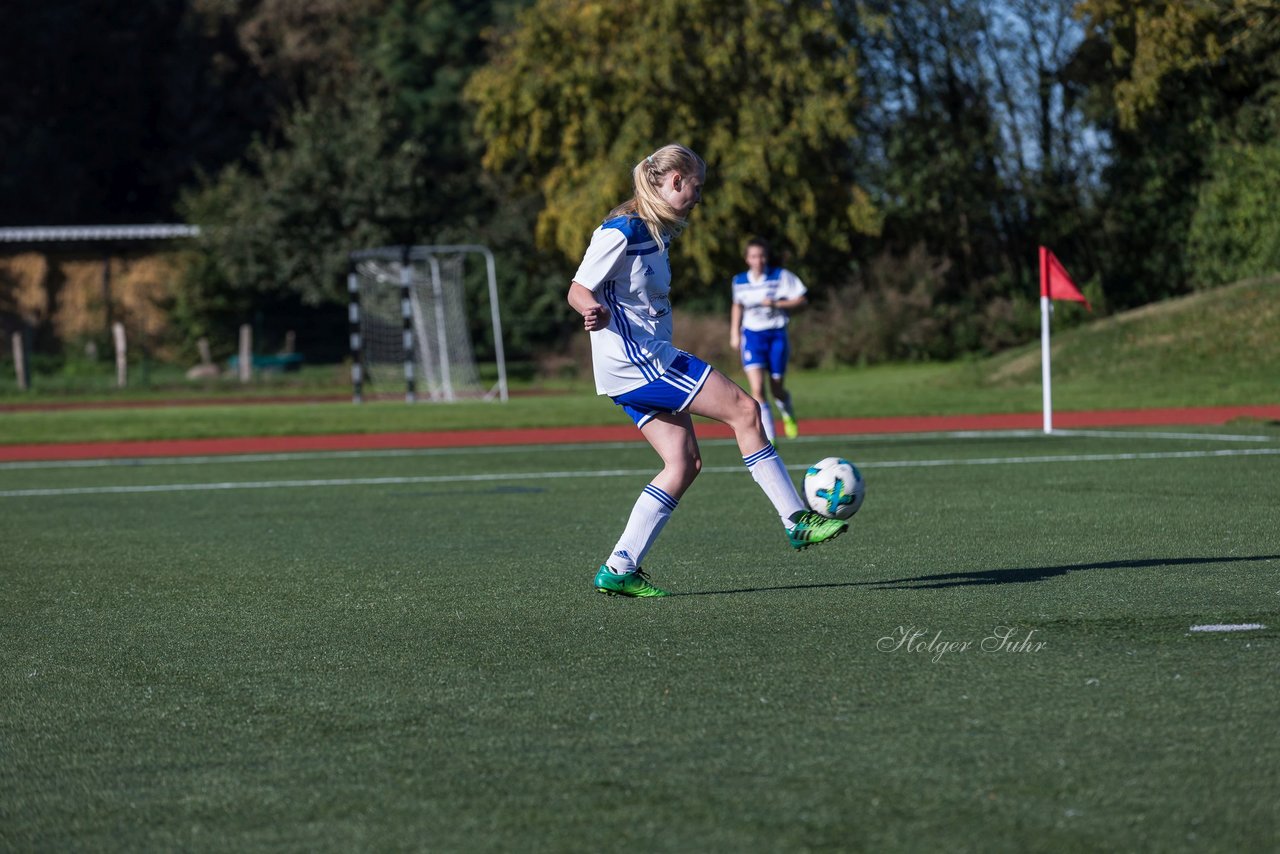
x=620, y=433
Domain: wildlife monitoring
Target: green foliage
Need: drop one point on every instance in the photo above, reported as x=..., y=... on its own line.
x=1157, y=43
x=852, y=135
x=766, y=91
x=280, y=227
x=377, y=152
x=971, y=142
x=299, y=48
x=1235, y=232
x=894, y=309
x=1188, y=95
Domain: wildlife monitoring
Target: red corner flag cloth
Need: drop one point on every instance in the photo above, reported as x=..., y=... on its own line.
x=1054, y=281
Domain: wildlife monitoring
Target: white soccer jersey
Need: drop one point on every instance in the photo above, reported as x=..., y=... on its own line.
x=750, y=290
x=630, y=274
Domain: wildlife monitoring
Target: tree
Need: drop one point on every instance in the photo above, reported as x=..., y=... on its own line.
x=972, y=145
x=276, y=231
x=108, y=109
x=1155, y=42
x=1190, y=95
x=1235, y=231
x=374, y=149
x=766, y=90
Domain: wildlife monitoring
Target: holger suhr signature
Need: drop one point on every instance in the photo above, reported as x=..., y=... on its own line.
x=921, y=641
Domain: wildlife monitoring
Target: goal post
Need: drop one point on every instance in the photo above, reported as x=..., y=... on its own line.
x=410, y=323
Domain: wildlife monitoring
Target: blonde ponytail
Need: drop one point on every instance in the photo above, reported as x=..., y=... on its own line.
x=647, y=176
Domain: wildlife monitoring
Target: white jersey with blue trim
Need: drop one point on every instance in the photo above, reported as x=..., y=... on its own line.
x=750, y=291
x=630, y=274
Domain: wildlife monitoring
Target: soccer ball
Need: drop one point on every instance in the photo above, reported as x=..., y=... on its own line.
x=834, y=488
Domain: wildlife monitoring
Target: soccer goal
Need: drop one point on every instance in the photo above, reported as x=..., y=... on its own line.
x=410, y=322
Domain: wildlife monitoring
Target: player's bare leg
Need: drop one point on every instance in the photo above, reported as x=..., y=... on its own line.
x=671, y=435
x=755, y=381
x=723, y=400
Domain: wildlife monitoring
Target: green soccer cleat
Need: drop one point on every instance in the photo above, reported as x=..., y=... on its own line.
x=635, y=584
x=789, y=426
x=809, y=528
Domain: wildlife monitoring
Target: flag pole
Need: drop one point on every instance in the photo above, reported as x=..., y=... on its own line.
x=1045, y=374
x=1046, y=307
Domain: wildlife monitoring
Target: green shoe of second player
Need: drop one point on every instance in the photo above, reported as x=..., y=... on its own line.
x=809, y=528
x=635, y=584
x=789, y=426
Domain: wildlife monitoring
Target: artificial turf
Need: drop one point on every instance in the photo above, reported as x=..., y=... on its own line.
x=405, y=653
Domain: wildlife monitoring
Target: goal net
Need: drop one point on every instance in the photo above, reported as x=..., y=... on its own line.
x=411, y=323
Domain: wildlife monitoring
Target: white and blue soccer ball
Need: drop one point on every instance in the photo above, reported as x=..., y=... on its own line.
x=834, y=488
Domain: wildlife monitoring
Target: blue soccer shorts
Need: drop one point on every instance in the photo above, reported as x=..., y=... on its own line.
x=768, y=349
x=671, y=392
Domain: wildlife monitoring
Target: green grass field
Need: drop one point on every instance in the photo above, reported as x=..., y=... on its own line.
x=402, y=651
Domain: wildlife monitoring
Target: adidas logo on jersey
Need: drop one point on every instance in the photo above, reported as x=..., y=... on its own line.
x=648, y=269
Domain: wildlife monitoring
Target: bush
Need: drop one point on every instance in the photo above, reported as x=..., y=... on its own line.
x=890, y=310
x=896, y=309
x=1235, y=232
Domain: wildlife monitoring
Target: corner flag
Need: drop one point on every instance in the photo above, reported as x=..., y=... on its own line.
x=1055, y=283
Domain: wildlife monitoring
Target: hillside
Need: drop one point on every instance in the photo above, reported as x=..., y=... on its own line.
x=1229, y=335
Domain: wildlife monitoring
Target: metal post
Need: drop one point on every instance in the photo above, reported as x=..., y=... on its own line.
x=497, y=323
x=20, y=361
x=406, y=314
x=246, y=352
x=1045, y=308
x=442, y=334
x=353, y=326
x=122, y=363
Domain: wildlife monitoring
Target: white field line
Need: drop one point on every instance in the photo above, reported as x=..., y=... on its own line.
x=1170, y=434
x=296, y=456
x=550, y=475
x=638, y=442
x=1229, y=627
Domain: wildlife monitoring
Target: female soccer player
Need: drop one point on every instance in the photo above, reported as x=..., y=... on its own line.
x=622, y=292
x=763, y=297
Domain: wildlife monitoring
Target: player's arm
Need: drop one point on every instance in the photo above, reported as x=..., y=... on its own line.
x=735, y=326
x=604, y=255
x=793, y=291
x=594, y=316
x=787, y=304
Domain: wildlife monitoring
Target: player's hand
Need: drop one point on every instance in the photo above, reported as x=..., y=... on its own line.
x=734, y=342
x=595, y=318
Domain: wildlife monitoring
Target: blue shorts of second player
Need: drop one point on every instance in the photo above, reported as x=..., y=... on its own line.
x=671, y=392
x=768, y=349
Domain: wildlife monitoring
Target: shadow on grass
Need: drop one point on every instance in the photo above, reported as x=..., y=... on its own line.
x=1020, y=575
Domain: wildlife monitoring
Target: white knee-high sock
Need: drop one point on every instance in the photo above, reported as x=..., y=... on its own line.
x=653, y=509
x=768, y=470
x=784, y=405
x=766, y=418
